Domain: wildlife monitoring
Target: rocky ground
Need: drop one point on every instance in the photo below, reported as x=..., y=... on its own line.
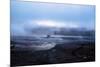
x=83, y=52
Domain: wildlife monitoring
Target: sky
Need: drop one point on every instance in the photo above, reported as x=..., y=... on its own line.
x=26, y=15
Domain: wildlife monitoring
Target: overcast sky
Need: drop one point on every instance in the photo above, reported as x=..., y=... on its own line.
x=33, y=14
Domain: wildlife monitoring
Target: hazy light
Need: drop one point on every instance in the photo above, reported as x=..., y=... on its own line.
x=57, y=24
x=49, y=23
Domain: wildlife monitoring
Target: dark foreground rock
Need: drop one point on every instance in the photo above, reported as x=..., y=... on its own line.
x=83, y=53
